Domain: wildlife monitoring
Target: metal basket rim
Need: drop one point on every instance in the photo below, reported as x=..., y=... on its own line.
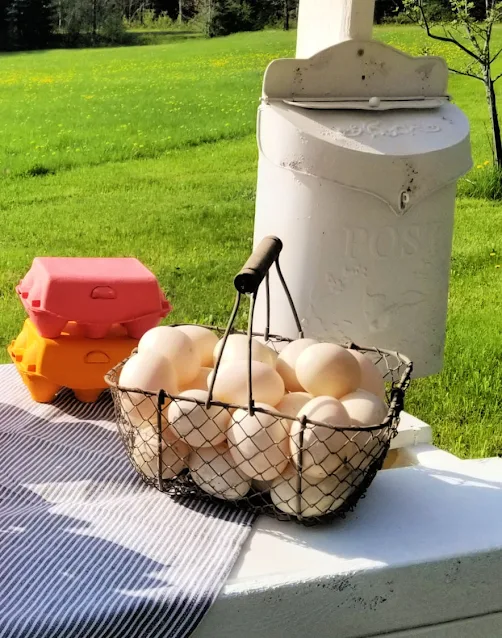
x=395, y=405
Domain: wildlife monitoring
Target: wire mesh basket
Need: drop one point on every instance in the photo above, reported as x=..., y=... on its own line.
x=252, y=453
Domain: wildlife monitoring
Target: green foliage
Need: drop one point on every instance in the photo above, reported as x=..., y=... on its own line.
x=149, y=20
x=100, y=22
x=3, y=24
x=113, y=28
x=231, y=16
x=151, y=152
x=484, y=182
x=386, y=9
x=30, y=23
x=474, y=38
x=439, y=10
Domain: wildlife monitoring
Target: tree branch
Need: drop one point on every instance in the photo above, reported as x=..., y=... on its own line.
x=495, y=56
x=470, y=75
x=497, y=78
x=448, y=38
x=469, y=31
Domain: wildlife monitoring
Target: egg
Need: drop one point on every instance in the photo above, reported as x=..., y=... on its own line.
x=231, y=384
x=321, y=450
x=364, y=408
x=360, y=449
x=325, y=369
x=292, y=403
x=371, y=379
x=349, y=480
x=145, y=453
x=237, y=349
x=197, y=425
x=150, y=372
x=318, y=497
x=176, y=346
x=260, y=486
x=204, y=341
x=214, y=471
x=274, y=346
x=200, y=381
x=259, y=444
x=286, y=362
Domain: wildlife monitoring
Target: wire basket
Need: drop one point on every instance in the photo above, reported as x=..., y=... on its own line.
x=248, y=453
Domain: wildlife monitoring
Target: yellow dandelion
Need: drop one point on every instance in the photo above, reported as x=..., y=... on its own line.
x=492, y=254
x=487, y=163
x=497, y=266
x=479, y=166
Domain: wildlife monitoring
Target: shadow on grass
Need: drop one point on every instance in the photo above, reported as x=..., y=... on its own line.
x=127, y=39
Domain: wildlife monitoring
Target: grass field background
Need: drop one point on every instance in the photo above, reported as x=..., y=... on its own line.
x=150, y=151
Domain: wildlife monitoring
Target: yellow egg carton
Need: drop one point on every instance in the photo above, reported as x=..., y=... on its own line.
x=72, y=361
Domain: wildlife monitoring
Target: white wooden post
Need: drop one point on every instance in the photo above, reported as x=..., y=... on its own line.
x=322, y=23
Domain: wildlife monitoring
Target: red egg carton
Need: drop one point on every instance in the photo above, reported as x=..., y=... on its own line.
x=95, y=293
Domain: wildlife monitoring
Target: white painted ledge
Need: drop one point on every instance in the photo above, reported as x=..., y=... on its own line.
x=420, y=556
x=411, y=431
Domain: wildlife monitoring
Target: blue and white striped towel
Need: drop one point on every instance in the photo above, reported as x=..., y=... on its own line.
x=86, y=550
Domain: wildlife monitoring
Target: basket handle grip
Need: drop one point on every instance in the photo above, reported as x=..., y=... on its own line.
x=256, y=267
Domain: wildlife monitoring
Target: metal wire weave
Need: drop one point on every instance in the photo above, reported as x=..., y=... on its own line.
x=349, y=456
x=281, y=465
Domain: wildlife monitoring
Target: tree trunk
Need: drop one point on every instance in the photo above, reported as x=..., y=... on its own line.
x=286, y=15
x=180, y=11
x=209, y=17
x=94, y=18
x=492, y=104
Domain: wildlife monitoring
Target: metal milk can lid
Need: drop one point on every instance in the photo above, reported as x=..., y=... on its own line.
x=368, y=117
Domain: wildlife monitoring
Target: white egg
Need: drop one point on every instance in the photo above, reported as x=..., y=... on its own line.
x=364, y=408
x=326, y=369
x=145, y=453
x=317, y=497
x=200, y=381
x=292, y=403
x=197, y=425
x=150, y=372
x=321, y=452
x=274, y=347
x=214, y=471
x=371, y=379
x=349, y=480
x=326, y=452
x=361, y=448
x=231, y=384
x=176, y=346
x=237, y=349
x=204, y=341
x=261, y=486
x=259, y=444
x=286, y=363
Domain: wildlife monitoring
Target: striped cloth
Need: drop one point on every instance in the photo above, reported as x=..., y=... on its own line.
x=86, y=550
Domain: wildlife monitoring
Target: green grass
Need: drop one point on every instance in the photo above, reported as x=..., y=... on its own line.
x=150, y=151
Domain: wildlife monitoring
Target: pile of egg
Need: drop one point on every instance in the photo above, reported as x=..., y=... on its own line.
x=228, y=452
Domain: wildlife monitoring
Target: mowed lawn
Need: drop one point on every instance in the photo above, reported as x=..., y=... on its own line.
x=150, y=151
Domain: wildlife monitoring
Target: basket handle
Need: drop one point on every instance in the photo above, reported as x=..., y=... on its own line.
x=257, y=266
x=247, y=282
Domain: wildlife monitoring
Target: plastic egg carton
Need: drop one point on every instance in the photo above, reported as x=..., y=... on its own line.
x=94, y=293
x=73, y=361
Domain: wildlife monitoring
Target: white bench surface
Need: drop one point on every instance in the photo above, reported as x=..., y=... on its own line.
x=423, y=548
x=411, y=431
